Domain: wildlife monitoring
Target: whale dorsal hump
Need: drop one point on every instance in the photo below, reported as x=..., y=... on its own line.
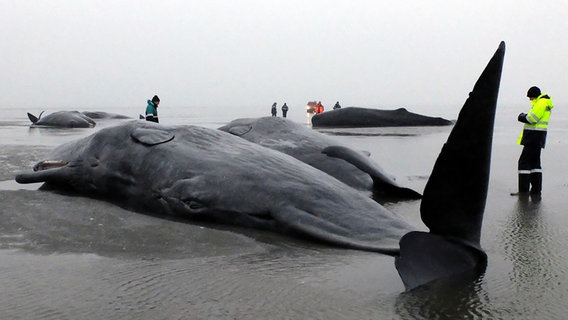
x=151, y=137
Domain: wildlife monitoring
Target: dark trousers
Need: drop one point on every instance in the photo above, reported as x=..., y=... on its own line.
x=530, y=170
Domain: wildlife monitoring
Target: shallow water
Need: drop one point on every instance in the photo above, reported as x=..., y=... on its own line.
x=64, y=257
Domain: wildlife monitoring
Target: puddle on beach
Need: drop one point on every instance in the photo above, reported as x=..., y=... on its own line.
x=12, y=185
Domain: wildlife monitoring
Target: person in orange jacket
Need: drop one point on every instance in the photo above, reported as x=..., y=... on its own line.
x=319, y=108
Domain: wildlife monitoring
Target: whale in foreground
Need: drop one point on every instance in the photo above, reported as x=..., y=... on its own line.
x=356, y=117
x=196, y=172
x=62, y=119
x=354, y=168
x=201, y=173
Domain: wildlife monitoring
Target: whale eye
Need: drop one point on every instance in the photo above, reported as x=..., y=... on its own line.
x=193, y=204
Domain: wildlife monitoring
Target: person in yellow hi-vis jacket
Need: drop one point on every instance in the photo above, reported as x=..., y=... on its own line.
x=533, y=139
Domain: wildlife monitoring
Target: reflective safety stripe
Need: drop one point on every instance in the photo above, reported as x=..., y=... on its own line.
x=530, y=171
x=534, y=117
x=149, y=115
x=529, y=127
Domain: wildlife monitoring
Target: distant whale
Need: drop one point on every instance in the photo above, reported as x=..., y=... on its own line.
x=104, y=115
x=201, y=173
x=354, y=117
x=62, y=119
x=354, y=168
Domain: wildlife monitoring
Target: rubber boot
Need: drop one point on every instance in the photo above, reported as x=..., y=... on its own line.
x=524, y=184
x=536, y=182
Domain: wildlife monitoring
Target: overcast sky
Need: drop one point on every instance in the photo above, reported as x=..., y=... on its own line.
x=244, y=53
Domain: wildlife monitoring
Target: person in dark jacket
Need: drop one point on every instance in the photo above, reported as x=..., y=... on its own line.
x=533, y=139
x=152, y=109
x=337, y=106
x=284, y=110
x=273, y=110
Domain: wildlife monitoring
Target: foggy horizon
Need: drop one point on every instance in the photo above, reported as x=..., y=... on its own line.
x=252, y=53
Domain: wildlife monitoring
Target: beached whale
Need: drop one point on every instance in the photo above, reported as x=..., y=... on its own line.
x=202, y=173
x=62, y=119
x=355, y=117
x=196, y=172
x=354, y=168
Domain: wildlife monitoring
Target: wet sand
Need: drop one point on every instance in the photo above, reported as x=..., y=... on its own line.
x=64, y=257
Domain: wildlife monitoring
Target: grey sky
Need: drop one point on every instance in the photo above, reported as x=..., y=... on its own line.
x=240, y=53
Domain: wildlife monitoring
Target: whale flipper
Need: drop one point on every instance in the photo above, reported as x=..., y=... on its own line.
x=454, y=198
x=240, y=130
x=381, y=181
x=151, y=137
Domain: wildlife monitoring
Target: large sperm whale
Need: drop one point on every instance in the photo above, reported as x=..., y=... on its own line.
x=201, y=173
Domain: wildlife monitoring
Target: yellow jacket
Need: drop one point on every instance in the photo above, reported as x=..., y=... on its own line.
x=538, y=117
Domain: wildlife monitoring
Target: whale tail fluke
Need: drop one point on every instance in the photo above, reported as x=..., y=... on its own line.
x=32, y=118
x=435, y=257
x=454, y=199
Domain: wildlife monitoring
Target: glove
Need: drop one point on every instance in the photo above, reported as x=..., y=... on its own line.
x=522, y=118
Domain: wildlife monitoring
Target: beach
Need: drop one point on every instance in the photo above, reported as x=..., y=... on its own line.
x=68, y=257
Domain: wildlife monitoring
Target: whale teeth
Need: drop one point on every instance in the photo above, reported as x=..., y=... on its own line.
x=50, y=164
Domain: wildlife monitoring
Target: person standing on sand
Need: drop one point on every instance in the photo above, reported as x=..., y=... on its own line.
x=273, y=110
x=284, y=110
x=533, y=139
x=152, y=109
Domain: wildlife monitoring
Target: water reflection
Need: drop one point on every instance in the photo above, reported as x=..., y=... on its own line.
x=369, y=134
x=534, y=243
x=12, y=185
x=527, y=239
x=454, y=299
x=385, y=131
